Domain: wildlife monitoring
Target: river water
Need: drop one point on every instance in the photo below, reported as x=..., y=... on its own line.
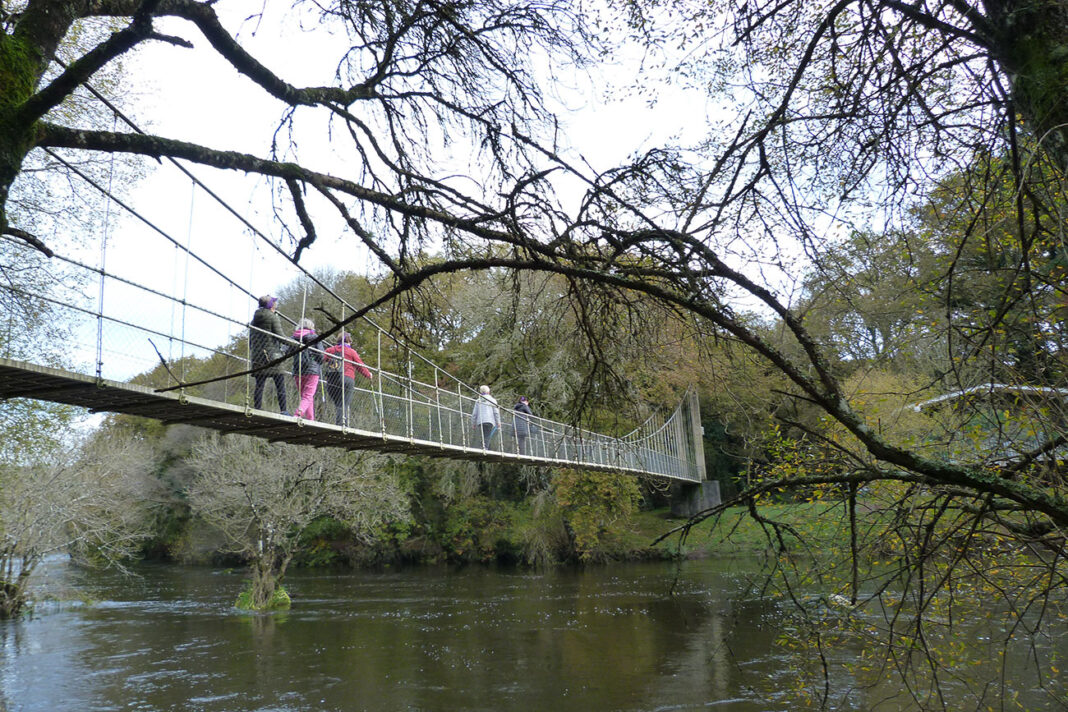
x=603, y=638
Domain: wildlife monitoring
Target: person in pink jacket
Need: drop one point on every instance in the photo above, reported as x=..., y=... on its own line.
x=340, y=366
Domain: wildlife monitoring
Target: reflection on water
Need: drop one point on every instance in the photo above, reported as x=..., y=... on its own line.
x=420, y=639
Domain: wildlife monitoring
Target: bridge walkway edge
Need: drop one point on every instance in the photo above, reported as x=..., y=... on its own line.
x=19, y=379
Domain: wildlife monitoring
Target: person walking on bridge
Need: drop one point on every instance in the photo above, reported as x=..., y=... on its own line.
x=307, y=368
x=523, y=427
x=266, y=344
x=486, y=416
x=340, y=365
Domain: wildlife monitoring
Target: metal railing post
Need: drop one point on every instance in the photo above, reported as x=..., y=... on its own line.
x=248, y=367
x=345, y=405
x=381, y=398
x=411, y=397
x=460, y=408
x=100, y=304
x=437, y=405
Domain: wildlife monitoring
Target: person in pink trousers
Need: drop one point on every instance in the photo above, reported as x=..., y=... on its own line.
x=307, y=368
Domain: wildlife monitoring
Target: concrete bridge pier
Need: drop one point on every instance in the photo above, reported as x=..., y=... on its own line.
x=689, y=498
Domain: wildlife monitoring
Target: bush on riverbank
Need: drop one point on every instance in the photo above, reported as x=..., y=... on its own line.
x=535, y=533
x=566, y=516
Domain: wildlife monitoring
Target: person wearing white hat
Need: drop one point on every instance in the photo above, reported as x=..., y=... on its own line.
x=485, y=416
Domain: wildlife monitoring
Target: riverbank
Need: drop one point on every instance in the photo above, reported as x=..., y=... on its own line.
x=821, y=524
x=647, y=535
x=487, y=531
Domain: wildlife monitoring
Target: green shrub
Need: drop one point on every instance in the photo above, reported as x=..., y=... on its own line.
x=480, y=529
x=597, y=507
x=279, y=601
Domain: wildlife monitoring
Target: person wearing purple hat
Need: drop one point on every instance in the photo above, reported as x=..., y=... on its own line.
x=266, y=344
x=523, y=426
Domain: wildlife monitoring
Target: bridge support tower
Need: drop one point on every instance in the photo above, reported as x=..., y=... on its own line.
x=689, y=498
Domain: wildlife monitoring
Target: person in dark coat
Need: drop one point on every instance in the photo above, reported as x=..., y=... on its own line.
x=307, y=368
x=340, y=365
x=523, y=426
x=265, y=344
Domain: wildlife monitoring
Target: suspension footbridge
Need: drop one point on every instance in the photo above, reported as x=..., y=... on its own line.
x=112, y=356
x=414, y=422
x=123, y=332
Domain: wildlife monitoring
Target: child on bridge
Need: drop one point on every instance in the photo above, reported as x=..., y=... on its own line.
x=307, y=368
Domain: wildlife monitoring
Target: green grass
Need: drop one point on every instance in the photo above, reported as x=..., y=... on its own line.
x=280, y=600
x=822, y=525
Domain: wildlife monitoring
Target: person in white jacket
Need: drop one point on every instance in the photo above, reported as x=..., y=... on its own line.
x=485, y=416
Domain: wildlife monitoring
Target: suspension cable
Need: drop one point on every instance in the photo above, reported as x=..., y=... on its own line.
x=125, y=206
x=103, y=266
x=128, y=282
x=121, y=322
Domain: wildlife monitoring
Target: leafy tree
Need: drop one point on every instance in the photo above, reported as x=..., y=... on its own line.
x=999, y=281
x=262, y=496
x=32, y=429
x=476, y=528
x=593, y=504
x=90, y=499
x=868, y=299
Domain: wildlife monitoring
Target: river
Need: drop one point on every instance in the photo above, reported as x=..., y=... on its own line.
x=601, y=638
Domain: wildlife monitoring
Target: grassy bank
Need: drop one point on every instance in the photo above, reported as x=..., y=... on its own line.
x=486, y=531
x=735, y=533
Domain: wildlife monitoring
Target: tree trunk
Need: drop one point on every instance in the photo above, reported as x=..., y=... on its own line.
x=264, y=584
x=24, y=56
x=13, y=594
x=12, y=600
x=1031, y=43
x=265, y=591
x=17, y=80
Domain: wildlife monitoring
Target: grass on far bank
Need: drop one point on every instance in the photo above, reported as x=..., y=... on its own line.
x=822, y=524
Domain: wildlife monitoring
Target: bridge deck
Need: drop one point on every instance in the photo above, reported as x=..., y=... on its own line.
x=19, y=379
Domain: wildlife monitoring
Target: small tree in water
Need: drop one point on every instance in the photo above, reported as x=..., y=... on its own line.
x=261, y=496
